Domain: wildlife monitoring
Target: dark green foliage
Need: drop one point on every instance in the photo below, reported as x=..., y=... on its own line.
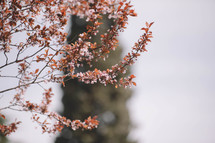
x=82, y=100
x=3, y=139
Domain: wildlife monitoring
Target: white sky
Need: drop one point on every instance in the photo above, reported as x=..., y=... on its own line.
x=174, y=100
x=175, y=94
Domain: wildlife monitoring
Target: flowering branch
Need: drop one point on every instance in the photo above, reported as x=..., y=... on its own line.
x=43, y=54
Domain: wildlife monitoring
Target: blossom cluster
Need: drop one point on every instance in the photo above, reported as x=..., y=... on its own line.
x=43, y=22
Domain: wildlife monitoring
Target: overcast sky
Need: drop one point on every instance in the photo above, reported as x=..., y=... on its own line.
x=174, y=100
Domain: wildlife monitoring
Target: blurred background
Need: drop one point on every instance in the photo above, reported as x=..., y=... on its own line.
x=174, y=98
x=107, y=102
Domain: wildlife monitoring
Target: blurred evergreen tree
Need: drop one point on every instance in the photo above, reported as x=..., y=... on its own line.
x=3, y=139
x=82, y=100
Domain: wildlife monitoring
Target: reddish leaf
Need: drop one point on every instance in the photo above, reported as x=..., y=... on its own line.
x=147, y=24
x=132, y=76
x=36, y=71
x=2, y=116
x=151, y=24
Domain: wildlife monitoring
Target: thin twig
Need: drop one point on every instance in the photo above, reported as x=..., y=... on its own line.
x=45, y=66
x=21, y=86
x=16, y=61
x=6, y=57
